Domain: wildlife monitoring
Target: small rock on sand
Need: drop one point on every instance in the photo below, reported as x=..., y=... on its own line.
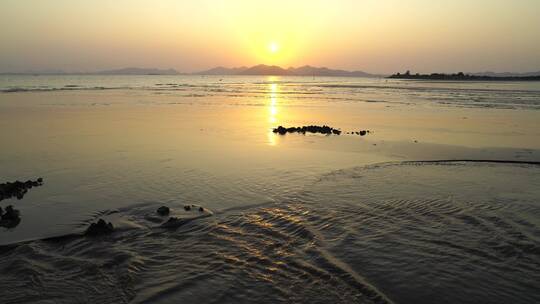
x=99, y=228
x=10, y=218
x=163, y=210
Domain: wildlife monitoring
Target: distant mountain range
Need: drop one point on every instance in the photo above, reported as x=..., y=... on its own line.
x=138, y=71
x=260, y=69
x=307, y=70
x=124, y=71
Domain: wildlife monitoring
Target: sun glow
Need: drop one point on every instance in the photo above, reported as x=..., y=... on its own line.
x=273, y=47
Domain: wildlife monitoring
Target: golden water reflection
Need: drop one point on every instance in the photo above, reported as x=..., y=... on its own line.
x=273, y=111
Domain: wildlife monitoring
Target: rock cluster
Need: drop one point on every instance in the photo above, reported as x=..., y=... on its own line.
x=189, y=207
x=307, y=129
x=361, y=132
x=317, y=129
x=174, y=222
x=18, y=189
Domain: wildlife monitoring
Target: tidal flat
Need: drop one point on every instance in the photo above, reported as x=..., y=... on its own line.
x=438, y=203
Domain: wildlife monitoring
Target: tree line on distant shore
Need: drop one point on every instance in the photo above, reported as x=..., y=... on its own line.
x=462, y=76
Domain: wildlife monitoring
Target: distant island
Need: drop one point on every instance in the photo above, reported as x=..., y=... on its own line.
x=260, y=69
x=138, y=71
x=467, y=77
x=275, y=70
x=123, y=71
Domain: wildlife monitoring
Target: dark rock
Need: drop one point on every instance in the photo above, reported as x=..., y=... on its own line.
x=18, y=189
x=361, y=132
x=99, y=228
x=10, y=218
x=174, y=222
x=281, y=130
x=10, y=213
x=163, y=210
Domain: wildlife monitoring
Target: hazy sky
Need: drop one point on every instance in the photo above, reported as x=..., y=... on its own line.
x=380, y=36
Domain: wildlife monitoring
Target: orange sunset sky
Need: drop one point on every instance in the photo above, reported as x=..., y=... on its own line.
x=378, y=36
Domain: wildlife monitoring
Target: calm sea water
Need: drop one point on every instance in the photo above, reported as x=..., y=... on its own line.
x=507, y=95
x=296, y=218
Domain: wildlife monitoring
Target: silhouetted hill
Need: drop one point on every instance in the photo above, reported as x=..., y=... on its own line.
x=262, y=69
x=307, y=70
x=223, y=71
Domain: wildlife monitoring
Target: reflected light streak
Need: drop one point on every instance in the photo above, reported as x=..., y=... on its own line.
x=272, y=111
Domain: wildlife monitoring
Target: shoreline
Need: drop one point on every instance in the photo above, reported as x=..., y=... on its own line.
x=462, y=77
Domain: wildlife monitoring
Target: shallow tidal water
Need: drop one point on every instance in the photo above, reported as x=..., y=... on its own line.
x=296, y=218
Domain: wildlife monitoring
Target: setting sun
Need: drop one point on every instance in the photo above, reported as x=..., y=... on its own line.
x=273, y=47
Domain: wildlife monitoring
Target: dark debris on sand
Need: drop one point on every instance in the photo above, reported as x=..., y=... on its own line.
x=163, y=210
x=317, y=129
x=18, y=189
x=307, y=129
x=361, y=132
x=99, y=228
x=10, y=218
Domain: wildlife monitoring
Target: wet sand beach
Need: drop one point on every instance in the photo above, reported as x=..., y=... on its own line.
x=437, y=203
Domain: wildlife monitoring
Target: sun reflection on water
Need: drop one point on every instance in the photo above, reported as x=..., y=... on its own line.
x=272, y=109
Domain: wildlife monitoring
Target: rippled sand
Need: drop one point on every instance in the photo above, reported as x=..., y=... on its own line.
x=296, y=218
x=354, y=235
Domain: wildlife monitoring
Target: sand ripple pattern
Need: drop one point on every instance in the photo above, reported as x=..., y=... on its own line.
x=391, y=233
x=266, y=255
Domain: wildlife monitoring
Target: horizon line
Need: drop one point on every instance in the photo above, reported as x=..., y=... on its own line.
x=55, y=71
